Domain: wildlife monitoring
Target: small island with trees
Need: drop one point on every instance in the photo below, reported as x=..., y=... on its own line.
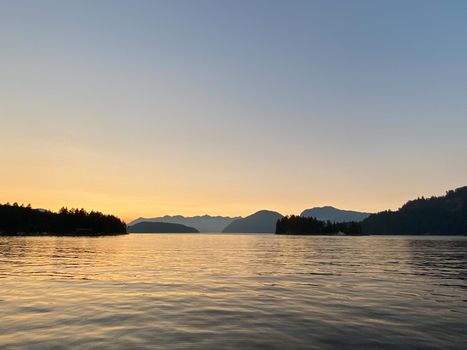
x=299, y=225
x=160, y=227
x=20, y=220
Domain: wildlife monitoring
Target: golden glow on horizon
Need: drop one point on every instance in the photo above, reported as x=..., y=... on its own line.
x=107, y=187
x=129, y=181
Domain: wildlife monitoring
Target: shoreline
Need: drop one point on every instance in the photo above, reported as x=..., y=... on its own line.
x=48, y=234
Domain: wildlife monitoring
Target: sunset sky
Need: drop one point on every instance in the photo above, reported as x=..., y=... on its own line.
x=145, y=108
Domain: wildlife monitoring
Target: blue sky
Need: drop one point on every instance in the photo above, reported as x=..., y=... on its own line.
x=225, y=107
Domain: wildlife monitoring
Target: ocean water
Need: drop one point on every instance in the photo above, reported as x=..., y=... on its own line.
x=214, y=291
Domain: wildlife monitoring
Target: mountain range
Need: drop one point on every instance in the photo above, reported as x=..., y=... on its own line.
x=263, y=221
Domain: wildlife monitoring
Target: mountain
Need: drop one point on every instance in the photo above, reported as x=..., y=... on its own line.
x=444, y=215
x=204, y=223
x=334, y=215
x=263, y=221
x=160, y=227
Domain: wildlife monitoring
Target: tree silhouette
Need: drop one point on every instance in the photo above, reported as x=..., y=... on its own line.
x=298, y=225
x=20, y=219
x=445, y=215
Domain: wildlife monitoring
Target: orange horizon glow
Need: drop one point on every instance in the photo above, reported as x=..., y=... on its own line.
x=143, y=208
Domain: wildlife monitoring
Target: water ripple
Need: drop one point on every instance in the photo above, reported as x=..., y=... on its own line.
x=233, y=291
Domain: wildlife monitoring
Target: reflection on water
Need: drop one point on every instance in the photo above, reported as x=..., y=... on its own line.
x=233, y=291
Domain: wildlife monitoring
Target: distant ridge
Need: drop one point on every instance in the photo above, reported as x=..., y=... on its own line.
x=334, y=215
x=263, y=221
x=160, y=227
x=203, y=223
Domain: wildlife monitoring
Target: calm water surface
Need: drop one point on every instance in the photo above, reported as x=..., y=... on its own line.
x=233, y=292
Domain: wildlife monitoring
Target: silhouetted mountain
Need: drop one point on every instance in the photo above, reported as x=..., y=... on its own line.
x=18, y=219
x=160, y=227
x=263, y=221
x=445, y=215
x=204, y=223
x=299, y=225
x=334, y=215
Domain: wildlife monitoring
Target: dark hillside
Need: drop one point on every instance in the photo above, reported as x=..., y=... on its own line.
x=444, y=215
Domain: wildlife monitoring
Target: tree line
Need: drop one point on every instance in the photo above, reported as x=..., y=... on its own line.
x=444, y=215
x=298, y=225
x=21, y=219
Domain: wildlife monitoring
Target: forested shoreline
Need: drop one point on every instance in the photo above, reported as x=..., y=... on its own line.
x=443, y=215
x=18, y=219
x=299, y=225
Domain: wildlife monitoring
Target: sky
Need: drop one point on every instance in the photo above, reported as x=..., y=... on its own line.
x=146, y=108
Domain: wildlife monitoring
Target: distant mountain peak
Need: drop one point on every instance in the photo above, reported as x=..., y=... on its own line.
x=334, y=214
x=266, y=211
x=263, y=221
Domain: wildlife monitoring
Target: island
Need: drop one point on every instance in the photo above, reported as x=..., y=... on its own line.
x=299, y=225
x=203, y=223
x=160, y=227
x=20, y=220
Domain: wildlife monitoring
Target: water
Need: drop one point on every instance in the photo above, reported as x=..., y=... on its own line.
x=233, y=292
